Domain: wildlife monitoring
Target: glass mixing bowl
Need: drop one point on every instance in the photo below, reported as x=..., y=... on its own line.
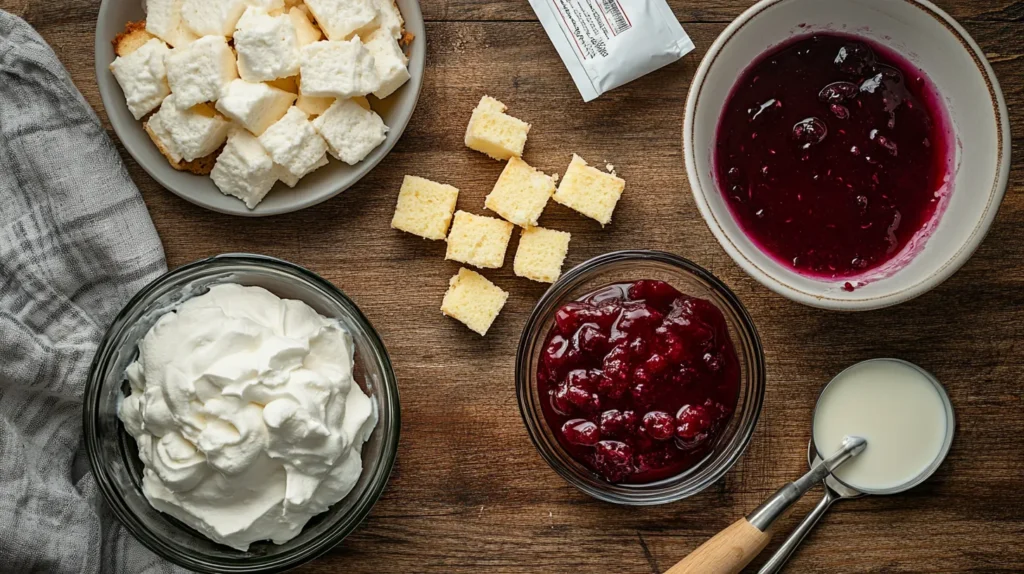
x=690, y=279
x=114, y=456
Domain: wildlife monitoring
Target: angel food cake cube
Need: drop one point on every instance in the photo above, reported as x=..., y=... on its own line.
x=351, y=131
x=390, y=61
x=163, y=20
x=143, y=77
x=201, y=71
x=254, y=106
x=424, y=207
x=389, y=17
x=293, y=143
x=244, y=169
x=541, y=253
x=478, y=240
x=338, y=69
x=342, y=19
x=186, y=132
x=520, y=193
x=212, y=17
x=473, y=300
x=493, y=132
x=589, y=190
x=268, y=46
x=305, y=31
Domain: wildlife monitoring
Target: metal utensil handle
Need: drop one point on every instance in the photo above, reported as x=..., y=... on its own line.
x=789, y=546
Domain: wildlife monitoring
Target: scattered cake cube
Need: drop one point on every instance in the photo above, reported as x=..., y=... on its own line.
x=312, y=105
x=424, y=207
x=495, y=133
x=541, y=253
x=390, y=61
x=351, y=131
x=143, y=77
x=212, y=17
x=589, y=190
x=305, y=31
x=244, y=169
x=478, y=240
x=473, y=300
x=254, y=106
x=520, y=193
x=200, y=71
x=390, y=17
x=294, y=143
x=342, y=19
x=163, y=20
x=267, y=46
x=337, y=69
x=186, y=132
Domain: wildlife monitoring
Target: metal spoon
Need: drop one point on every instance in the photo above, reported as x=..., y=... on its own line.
x=834, y=490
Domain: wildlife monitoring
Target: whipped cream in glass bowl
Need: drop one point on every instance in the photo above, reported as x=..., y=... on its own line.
x=241, y=415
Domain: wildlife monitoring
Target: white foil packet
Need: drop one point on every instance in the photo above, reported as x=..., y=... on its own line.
x=608, y=43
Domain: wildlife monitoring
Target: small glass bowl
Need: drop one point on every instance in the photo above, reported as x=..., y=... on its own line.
x=113, y=454
x=690, y=279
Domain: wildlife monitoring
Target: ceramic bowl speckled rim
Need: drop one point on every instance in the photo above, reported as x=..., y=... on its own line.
x=979, y=116
x=113, y=454
x=319, y=186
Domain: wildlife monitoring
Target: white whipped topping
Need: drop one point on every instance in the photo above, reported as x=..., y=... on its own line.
x=246, y=415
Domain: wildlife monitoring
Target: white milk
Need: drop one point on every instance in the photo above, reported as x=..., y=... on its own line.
x=896, y=408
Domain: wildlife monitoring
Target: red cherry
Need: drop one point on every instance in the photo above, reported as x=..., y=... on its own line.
x=659, y=425
x=692, y=421
x=618, y=424
x=613, y=460
x=581, y=432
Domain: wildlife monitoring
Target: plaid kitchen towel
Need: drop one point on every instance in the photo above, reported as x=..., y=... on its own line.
x=76, y=243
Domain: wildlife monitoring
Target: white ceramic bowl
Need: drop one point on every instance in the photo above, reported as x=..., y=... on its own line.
x=321, y=185
x=936, y=44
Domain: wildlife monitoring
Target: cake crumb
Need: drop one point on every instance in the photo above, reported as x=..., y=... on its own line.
x=610, y=168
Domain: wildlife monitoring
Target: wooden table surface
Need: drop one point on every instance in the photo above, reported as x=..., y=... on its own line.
x=469, y=492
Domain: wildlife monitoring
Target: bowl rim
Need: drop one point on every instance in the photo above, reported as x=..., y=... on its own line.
x=314, y=547
x=524, y=376
x=779, y=284
x=110, y=100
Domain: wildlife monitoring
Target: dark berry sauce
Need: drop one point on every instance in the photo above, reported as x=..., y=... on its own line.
x=833, y=153
x=637, y=380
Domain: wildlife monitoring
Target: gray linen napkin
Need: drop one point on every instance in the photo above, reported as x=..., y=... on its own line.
x=76, y=243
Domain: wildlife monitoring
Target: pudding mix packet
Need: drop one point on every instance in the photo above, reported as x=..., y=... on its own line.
x=608, y=43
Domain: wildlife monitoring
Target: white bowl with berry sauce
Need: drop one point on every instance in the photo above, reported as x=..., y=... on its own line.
x=849, y=154
x=640, y=378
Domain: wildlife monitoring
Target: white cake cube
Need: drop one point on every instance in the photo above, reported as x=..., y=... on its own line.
x=163, y=20
x=312, y=105
x=186, y=132
x=254, y=106
x=341, y=19
x=337, y=69
x=244, y=169
x=351, y=131
x=295, y=144
x=389, y=17
x=268, y=47
x=201, y=71
x=305, y=31
x=143, y=77
x=212, y=17
x=389, y=60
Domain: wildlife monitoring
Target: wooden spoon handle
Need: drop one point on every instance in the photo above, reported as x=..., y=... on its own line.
x=728, y=552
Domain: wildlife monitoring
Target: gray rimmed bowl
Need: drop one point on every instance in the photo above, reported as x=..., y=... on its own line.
x=316, y=187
